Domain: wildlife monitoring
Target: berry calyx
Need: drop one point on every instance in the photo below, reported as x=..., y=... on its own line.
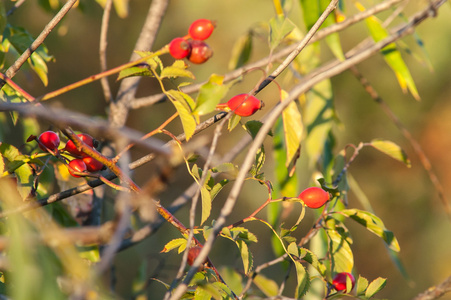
x=339, y=281
x=179, y=48
x=314, y=197
x=72, y=149
x=92, y=164
x=77, y=165
x=201, y=29
x=48, y=140
x=200, y=52
x=244, y=105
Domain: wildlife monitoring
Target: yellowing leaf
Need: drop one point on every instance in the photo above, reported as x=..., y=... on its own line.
x=303, y=280
x=182, y=107
x=392, y=150
x=267, y=286
x=293, y=131
x=175, y=243
x=391, y=55
x=178, y=69
x=206, y=204
x=241, y=52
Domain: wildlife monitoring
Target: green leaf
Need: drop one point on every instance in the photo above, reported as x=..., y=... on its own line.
x=285, y=186
x=246, y=256
x=233, y=121
x=293, y=130
x=175, y=243
x=279, y=27
x=138, y=70
x=228, y=168
x=206, y=204
x=373, y=224
x=217, y=188
x=391, y=55
x=241, y=51
x=210, y=94
x=340, y=251
x=375, y=286
x=178, y=69
x=303, y=280
x=268, y=286
x=182, y=107
x=258, y=162
x=392, y=150
x=362, y=285
x=319, y=117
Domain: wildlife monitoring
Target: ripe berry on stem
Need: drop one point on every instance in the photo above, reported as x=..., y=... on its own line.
x=200, y=52
x=314, y=197
x=48, y=139
x=72, y=149
x=244, y=105
x=179, y=48
x=77, y=165
x=339, y=281
x=92, y=164
x=201, y=29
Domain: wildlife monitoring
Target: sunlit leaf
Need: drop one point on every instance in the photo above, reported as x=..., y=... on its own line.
x=361, y=286
x=268, y=286
x=188, y=121
x=293, y=130
x=210, y=94
x=206, y=204
x=285, y=185
x=138, y=70
x=392, y=150
x=280, y=27
x=340, y=251
x=373, y=224
x=227, y=168
x=217, y=188
x=303, y=280
x=175, y=243
x=241, y=51
x=375, y=286
x=177, y=69
x=319, y=117
x=233, y=122
x=246, y=256
x=391, y=54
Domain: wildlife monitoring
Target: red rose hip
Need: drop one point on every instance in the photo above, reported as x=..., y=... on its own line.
x=314, y=197
x=244, y=105
x=179, y=48
x=92, y=164
x=72, y=149
x=50, y=140
x=339, y=281
x=200, y=52
x=201, y=29
x=76, y=165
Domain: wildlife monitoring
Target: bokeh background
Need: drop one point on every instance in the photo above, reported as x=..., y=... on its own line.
x=404, y=198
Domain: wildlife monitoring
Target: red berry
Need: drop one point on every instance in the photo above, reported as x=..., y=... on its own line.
x=244, y=105
x=72, y=149
x=193, y=252
x=339, y=281
x=314, y=197
x=200, y=52
x=179, y=48
x=92, y=164
x=48, y=139
x=76, y=165
x=201, y=29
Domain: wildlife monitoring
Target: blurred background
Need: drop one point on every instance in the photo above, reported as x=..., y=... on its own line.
x=404, y=198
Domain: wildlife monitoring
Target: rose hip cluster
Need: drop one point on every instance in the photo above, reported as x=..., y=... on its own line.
x=193, y=46
x=49, y=141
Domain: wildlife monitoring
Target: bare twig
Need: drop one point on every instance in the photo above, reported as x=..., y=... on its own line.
x=436, y=292
x=127, y=90
x=12, y=70
x=102, y=49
